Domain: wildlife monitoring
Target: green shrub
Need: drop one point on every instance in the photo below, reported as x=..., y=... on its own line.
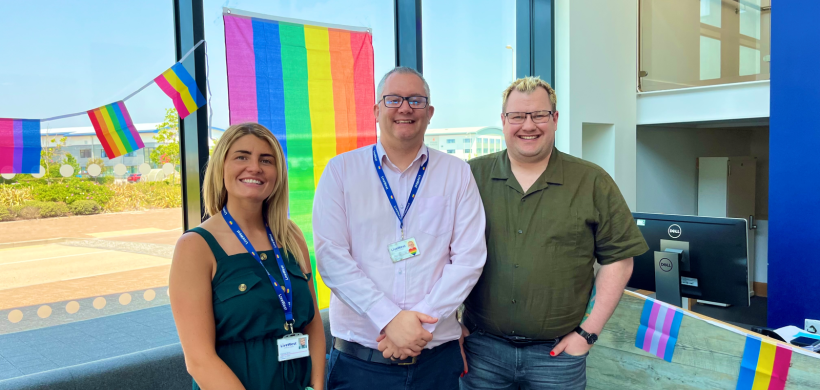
x=70, y=191
x=85, y=207
x=29, y=210
x=5, y=214
x=53, y=209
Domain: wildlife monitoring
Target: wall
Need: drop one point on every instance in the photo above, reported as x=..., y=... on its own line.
x=595, y=79
x=668, y=156
x=794, y=203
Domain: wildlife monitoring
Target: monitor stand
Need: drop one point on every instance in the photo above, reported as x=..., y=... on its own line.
x=667, y=276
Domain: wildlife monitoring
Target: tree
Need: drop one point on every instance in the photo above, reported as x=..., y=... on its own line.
x=167, y=139
x=49, y=156
x=95, y=160
x=68, y=159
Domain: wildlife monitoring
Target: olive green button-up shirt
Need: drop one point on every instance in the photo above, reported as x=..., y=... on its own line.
x=541, y=245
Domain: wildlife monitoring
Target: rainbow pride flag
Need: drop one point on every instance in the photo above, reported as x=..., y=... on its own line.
x=20, y=145
x=765, y=365
x=115, y=130
x=178, y=84
x=658, y=332
x=313, y=87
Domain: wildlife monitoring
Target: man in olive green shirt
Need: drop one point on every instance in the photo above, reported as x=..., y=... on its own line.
x=550, y=216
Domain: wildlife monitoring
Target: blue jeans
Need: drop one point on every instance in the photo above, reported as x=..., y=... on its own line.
x=495, y=363
x=439, y=370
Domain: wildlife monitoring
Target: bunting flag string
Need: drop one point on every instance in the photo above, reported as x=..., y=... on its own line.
x=19, y=146
x=764, y=365
x=658, y=332
x=115, y=130
x=20, y=141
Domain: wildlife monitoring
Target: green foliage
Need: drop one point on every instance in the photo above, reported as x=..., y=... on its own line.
x=5, y=215
x=53, y=209
x=72, y=190
x=29, y=210
x=49, y=156
x=95, y=160
x=68, y=159
x=167, y=139
x=85, y=207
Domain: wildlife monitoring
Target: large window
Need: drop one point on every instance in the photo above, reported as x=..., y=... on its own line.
x=80, y=246
x=703, y=42
x=469, y=69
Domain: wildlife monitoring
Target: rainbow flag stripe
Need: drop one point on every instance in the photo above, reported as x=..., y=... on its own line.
x=20, y=145
x=313, y=88
x=658, y=332
x=765, y=365
x=178, y=84
x=115, y=130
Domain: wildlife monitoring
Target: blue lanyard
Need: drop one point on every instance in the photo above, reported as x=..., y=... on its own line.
x=389, y=192
x=285, y=293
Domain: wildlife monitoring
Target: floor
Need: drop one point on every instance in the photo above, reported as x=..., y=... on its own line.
x=38, y=350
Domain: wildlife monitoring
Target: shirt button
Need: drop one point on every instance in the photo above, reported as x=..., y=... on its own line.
x=399, y=272
x=243, y=287
x=520, y=231
x=513, y=301
x=516, y=266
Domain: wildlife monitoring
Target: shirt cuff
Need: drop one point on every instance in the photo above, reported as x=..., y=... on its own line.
x=382, y=312
x=423, y=307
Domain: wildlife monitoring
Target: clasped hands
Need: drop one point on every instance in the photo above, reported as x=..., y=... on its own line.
x=404, y=336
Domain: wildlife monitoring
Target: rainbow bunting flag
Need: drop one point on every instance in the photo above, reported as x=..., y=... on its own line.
x=313, y=87
x=178, y=84
x=658, y=333
x=20, y=145
x=765, y=365
x=115, y=130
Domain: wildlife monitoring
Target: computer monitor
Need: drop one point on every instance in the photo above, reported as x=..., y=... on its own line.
x=713, y=263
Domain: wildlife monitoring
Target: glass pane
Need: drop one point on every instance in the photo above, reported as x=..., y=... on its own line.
x=691, y=44
x=709, y=58
x=749, y=11
x=749, y=61
x=710, y=12
x=467, y=95
x=87, y=245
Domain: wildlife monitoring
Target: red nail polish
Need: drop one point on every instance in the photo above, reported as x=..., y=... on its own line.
x=462, y=374
x=552, y=353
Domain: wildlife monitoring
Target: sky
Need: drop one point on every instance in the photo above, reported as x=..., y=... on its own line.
x=61, y=58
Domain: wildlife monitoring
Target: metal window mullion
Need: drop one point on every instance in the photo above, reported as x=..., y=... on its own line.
x=408, y=33
x=189, y=28
x=535, y=39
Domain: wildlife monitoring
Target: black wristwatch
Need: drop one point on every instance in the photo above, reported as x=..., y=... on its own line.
x=590, y=337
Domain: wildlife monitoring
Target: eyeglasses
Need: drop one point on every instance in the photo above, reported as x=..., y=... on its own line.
x=517, y=118
x=395, y=101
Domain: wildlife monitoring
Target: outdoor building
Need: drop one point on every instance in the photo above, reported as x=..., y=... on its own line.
x=466, y=142
x=82, y=143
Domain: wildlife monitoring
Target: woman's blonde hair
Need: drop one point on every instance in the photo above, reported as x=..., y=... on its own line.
x=275, y=208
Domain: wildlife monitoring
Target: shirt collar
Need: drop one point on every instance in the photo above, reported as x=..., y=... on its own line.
x=554, y=174
x=421, y=155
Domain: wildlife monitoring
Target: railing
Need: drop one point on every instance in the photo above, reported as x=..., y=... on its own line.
x=693, y=43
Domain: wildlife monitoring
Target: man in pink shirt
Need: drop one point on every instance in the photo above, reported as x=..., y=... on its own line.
x=393, y=310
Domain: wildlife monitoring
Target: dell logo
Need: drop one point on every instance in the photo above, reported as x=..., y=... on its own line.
x=665, y=265
x=674, y=231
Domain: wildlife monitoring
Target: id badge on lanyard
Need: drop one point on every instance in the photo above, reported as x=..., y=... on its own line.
x=406, y=248
x=294, y=345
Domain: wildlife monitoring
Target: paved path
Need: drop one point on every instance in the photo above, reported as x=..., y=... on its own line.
x=92, y=226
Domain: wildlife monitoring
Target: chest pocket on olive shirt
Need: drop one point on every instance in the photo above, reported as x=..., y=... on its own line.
x=560, y=229
x=433, y=215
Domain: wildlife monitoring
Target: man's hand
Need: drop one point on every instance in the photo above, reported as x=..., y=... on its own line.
x=406, y=334
x=390, y=351
x=464, y=334
x=573, y=344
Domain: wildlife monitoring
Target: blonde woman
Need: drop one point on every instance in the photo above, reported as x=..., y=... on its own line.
x=240, y=284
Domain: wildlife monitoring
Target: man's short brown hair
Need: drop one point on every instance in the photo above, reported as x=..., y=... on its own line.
x=528, y=85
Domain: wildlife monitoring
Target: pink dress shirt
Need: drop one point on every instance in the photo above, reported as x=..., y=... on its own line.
x=353, y=223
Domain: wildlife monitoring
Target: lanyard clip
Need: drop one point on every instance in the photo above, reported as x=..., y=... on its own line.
x=289, y=325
